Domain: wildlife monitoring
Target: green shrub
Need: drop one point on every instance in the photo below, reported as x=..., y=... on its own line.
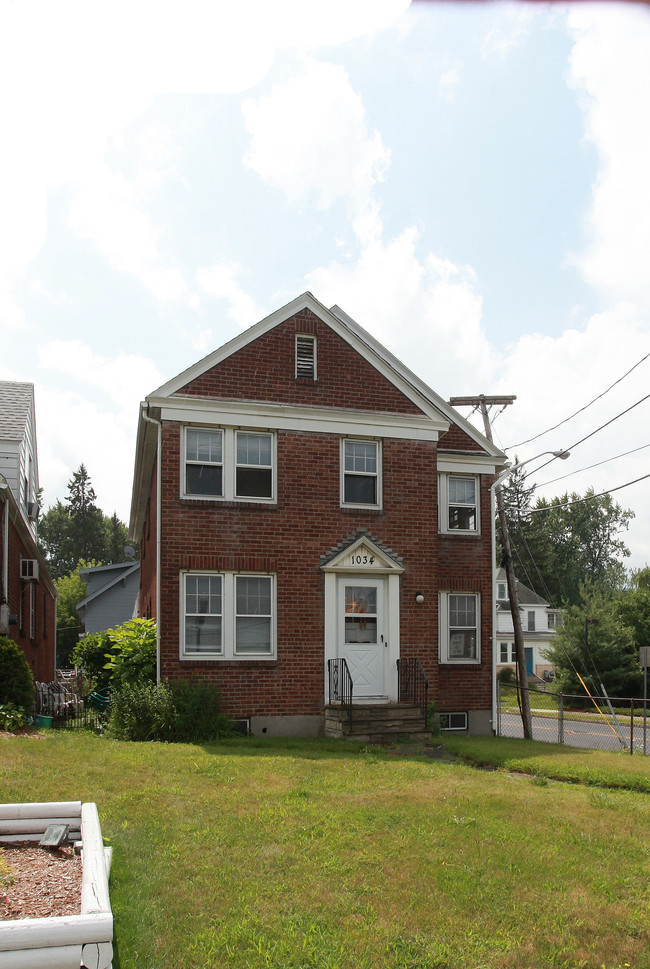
x=197, y=711
x=141, y=711
x=16, y=680
x=90, y=656
x=506, y=676
x=132, y=655
x=13, y=717
x=183, y=711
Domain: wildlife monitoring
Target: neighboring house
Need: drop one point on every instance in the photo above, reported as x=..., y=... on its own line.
x=538, y=623
x=27, y=594
x=112, y=594
x=300, y=497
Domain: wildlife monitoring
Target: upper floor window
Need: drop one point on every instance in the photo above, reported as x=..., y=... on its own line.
x=306, y=356
x=360, y=467
x=531, y=621
x=460, y=627
x=459, y=508
x=227, y=463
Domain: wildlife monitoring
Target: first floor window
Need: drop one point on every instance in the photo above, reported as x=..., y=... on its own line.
x=503, y=658
x=459, y=627
x=228, y=615
x=360, y=473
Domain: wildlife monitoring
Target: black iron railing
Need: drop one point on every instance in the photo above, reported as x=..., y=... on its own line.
x=340, y=684
x=413, y=685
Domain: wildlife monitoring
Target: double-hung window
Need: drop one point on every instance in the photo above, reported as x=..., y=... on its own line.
x=228, y=463
x=460, y=627
x=360, y=467
x=459, y=503
x=227, y=615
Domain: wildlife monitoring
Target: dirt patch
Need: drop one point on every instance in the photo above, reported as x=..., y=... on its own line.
x=38, y=882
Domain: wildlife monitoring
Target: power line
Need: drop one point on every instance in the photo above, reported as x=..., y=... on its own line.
x=580, y=501
x=567, y=419
x=591, y=434
x=597, y=465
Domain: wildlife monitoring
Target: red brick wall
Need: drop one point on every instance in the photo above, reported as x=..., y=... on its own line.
x=264, y=371
x=148, y=563
x=289, y=539
x=40, y=649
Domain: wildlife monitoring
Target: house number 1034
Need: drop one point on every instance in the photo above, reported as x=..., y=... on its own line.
x=362, y=560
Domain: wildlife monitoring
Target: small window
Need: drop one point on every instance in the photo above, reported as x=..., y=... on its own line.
x=501, y=592
x=361, y=473
x=306, y=357
x=459, y=508
x=459, y=627
x=203, y=462
x=503, y=652
x=254, y=465
x=531, y=622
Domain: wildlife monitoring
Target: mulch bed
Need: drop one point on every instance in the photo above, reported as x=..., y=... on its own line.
x=38, y=882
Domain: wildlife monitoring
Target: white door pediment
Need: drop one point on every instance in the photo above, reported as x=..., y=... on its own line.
x=363, y=555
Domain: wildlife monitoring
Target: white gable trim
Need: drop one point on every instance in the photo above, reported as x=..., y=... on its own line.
x=363, y=556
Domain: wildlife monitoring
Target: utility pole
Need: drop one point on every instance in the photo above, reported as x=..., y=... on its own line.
x=483, y=402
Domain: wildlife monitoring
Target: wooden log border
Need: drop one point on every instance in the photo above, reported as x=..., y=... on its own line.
x=62, y=941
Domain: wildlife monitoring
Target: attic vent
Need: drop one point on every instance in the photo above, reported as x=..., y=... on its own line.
x=306, y=357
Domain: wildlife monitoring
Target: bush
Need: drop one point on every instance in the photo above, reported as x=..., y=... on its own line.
x=141, y=711
x=175, y=712
x=506, y=676
x=12, y=718
x=132, y=655
x=16, y=680
x=90, y=656
x=197, y=711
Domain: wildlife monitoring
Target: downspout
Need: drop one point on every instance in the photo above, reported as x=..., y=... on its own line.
x=158, y=425
x=4, y=595
x=493, y=547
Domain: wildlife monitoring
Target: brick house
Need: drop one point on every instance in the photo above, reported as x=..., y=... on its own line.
x=27, y=593
x=302, y=498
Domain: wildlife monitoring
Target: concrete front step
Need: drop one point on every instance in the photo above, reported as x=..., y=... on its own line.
x=381, y=723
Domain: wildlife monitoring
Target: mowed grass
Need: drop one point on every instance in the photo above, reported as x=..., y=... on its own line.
x=320, y=855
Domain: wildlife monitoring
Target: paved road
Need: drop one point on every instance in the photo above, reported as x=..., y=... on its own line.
x=595, y=734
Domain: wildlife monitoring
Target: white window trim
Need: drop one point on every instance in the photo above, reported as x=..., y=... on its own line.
x=443, y=503
x=229, y=464
x=378, y=493
x=444, y=630
x=228, y=618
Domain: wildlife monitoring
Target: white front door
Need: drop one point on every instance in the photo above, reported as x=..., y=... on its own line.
x=361, y=632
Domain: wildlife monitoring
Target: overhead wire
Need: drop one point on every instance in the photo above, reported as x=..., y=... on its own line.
x=579, y=501
x=580, y=411
x=597, y=465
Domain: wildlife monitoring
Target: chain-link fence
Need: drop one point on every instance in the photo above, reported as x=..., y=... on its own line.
x=598, y=722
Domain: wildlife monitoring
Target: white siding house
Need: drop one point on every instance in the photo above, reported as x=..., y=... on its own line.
x=538, y=622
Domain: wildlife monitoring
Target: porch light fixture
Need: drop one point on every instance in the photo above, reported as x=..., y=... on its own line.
x=419, y=598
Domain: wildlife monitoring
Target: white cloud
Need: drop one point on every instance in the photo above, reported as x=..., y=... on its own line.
x=449, y=81
x=610, y=70
x=310, y=138
x=512, y=30
x=110, y=211
x=221, y=281
x=92, y=421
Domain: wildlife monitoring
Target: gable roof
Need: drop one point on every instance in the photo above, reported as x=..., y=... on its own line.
x=16, y=404
x=114, y=575
x=525, y=595
x=435, y=411
x=362, y=341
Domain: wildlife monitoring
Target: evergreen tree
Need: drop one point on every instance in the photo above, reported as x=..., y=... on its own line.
x=87, y=529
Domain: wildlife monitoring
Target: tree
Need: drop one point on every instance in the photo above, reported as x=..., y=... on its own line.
x=595, y=642
x=559, y=545
x=79, y=531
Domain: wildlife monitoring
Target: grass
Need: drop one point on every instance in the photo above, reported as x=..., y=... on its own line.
x=322, y=855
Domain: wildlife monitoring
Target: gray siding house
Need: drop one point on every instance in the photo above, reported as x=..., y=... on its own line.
x=112, y=595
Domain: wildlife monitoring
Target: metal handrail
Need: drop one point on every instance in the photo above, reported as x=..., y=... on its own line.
x=340, y=683
x=413, y=685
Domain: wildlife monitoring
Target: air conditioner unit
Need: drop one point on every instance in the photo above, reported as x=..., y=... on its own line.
x=32, y=510
x=29, y=569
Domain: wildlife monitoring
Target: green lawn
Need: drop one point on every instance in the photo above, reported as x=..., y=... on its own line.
x=319, y=855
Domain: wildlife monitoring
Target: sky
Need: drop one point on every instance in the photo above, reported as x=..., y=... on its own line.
x=469, y=181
